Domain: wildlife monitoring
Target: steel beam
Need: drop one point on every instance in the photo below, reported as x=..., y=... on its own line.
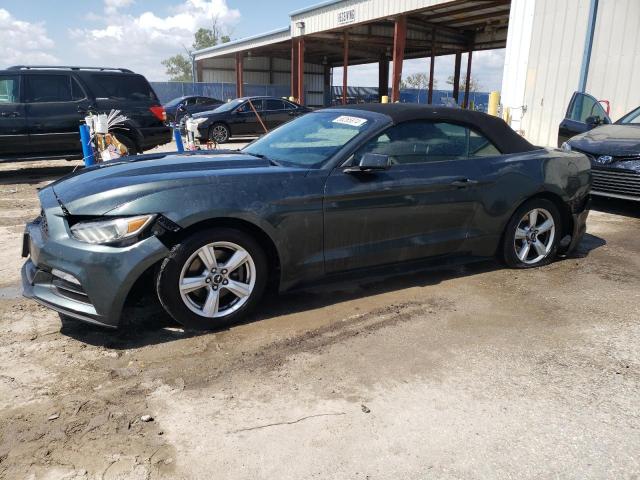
x=432, y=65
x=383, y=76
x=294, y=69
x=301, y=70
x=465, y=104
x=345, y=67
x=239, y=75
x=399, y=41
x=456, y=77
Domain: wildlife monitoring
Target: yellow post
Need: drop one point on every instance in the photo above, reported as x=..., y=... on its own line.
x=384, y=99
x=494, y=101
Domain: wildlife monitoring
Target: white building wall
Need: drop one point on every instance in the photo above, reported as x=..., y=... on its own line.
x=516, y=59
x=543, y=59
x=553, y=68
x=614, y=72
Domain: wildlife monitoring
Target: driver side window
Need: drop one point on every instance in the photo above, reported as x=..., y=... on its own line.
x=418, y=142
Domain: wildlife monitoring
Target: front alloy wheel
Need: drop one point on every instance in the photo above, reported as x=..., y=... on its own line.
x=212, y=278
x=217, y=279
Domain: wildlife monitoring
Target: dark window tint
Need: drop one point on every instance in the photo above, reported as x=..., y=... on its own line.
x=585, y=106
x=257, y=105
x=290, y=106
x=9, y=89
x=48, y=88
x=274, y=105
x=77, y=92
x=479, y=146
x=123, y=87
x=420, y=142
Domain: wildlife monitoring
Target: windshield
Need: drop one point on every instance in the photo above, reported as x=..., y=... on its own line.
x=312, y=139
x=633, y=117
x=227, y=107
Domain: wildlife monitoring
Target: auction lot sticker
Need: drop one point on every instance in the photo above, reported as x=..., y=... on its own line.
x=348, y=120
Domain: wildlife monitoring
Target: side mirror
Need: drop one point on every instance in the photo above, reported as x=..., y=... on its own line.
x=371, y=162
x=594, y=121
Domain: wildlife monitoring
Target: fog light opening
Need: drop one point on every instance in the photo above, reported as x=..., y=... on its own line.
x=67, y=277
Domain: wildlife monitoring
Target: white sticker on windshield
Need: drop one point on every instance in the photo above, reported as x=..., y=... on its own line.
x=353, y=121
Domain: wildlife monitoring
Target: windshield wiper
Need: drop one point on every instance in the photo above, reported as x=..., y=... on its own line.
x=264, y=157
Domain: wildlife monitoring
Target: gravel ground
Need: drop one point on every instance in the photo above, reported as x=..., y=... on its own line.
x=469, y=372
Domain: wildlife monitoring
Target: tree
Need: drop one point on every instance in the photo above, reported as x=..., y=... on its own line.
x=416, y=80
x=473, y=84
x=178, y=67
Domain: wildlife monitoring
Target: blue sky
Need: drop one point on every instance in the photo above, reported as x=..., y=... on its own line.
x=139, y=33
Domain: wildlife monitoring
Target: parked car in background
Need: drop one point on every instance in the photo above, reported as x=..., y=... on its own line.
x=612, y=148
x=192, y=104
x=337, y=190
x=237, y=117
x=41, y=109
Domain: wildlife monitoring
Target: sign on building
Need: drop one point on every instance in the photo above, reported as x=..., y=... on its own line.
x=347, y=16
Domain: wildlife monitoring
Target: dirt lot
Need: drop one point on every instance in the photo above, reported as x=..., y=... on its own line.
x=475, y=372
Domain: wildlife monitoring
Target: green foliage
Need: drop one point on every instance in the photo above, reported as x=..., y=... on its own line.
x=178, y=67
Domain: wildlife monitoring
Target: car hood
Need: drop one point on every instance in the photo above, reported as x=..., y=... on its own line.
x=105, y=186
x=614, y=140
x=208, y=113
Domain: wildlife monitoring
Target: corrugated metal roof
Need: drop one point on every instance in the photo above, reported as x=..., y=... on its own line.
x=274, y=36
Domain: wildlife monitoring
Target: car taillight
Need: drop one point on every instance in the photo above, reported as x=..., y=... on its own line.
x=159, y=112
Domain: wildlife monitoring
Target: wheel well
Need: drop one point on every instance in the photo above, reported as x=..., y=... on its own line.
x=130, y=136
x=565, y=213
x=256, y=232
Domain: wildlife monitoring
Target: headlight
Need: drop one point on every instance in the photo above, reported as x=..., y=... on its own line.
x=566, y=147
x=112, y=230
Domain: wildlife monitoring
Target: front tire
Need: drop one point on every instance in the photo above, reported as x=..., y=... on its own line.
x=212, y=279
x=219, y=133
x=532, y=235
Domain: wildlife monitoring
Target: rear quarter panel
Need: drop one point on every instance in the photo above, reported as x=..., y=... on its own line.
x=510, y=180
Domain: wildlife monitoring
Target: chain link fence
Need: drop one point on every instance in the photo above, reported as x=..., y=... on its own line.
x=226, y=91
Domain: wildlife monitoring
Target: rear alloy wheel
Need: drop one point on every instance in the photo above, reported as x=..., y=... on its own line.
x=532, y=235
x=219, y=133
x=212, y=279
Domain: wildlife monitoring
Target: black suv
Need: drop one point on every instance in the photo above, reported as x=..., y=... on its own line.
x=41, y=109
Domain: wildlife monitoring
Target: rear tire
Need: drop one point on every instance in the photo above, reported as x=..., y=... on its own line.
x=532, y=235
x=127, y=142
x=213, y=278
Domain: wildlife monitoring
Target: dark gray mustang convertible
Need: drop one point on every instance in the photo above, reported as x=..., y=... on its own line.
x=333, y=191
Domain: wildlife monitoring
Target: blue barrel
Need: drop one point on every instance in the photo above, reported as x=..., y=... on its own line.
x=87, y=151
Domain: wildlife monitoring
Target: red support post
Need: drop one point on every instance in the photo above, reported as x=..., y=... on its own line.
x=345, y=67
x=432, y=65
x=465, y=104
x=399, y=42
x=239, y=75
x=294, y=69
x=301, y=70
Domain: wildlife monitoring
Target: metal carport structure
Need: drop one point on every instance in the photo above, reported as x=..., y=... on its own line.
x=343, y=33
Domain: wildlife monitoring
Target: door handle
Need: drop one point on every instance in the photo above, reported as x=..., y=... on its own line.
x=463, y=183
x=9, y=114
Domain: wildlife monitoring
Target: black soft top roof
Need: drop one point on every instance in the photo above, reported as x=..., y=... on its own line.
x=494, y=128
